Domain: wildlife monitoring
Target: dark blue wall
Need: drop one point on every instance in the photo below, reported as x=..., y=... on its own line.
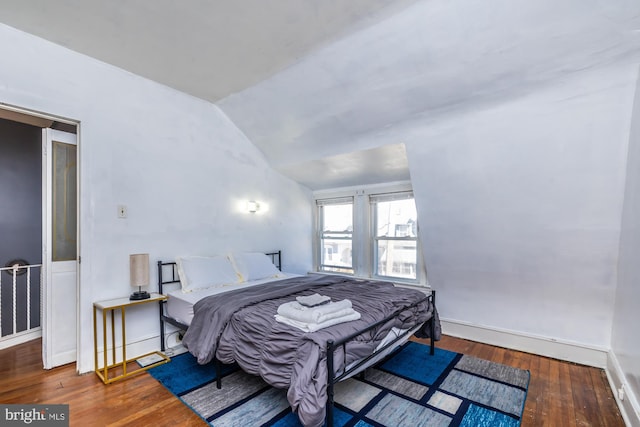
x=20, y=214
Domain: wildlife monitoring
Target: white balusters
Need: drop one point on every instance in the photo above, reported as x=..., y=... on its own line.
x=18, y=310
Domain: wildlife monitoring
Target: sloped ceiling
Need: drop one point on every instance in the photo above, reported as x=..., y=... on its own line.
x=331, y=85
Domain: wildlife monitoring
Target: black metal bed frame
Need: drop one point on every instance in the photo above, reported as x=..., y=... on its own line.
x=276, y=258
x=332, y=345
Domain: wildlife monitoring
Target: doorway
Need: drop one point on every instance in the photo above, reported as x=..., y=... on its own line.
x=51, y=214
x=20, y=231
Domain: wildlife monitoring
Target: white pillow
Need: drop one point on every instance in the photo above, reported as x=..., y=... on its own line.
x=200, y=272
x=254, y=266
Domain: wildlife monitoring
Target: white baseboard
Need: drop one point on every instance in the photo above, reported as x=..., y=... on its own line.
x=143, y=345
x=21, y=338
x=549, y=347
x=629, y=405
x=562, y=350
x=63, y=359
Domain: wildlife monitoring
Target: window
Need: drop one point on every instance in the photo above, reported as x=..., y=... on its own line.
x=370, y=232
x=336, y=235
x=395, y=235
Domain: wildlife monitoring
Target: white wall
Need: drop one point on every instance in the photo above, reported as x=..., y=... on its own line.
x=625, y=340
x=181, y=167
x=519, y=204
x=519, y=208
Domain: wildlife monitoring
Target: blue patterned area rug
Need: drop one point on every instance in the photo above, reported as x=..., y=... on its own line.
x=411, y=388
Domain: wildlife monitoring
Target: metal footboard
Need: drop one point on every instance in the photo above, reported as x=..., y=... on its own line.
x=333, y=379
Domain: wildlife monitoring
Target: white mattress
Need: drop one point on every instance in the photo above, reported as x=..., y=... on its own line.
x=180, y=305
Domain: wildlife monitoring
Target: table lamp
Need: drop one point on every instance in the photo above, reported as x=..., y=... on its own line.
x=139, y=274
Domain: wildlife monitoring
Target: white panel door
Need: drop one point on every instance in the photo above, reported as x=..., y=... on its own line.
x=60, y=227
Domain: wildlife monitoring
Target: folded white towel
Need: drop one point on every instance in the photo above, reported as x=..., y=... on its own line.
x=312, y=327
x=296, y=311
x=313, y=300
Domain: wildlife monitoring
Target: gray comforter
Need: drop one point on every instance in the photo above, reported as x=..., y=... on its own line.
x=239, y=326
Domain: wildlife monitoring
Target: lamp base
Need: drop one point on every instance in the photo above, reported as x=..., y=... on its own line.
x=138, y=295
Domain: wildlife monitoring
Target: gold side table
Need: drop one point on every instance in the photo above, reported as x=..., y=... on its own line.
x=118, y=370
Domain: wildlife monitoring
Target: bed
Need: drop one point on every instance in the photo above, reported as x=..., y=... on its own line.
x=235, y=323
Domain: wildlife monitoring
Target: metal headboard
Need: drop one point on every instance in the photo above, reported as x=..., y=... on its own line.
x=276, y=258
x=168, y=271
x=168, y=274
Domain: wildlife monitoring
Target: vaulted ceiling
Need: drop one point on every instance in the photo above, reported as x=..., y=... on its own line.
x=334, y=85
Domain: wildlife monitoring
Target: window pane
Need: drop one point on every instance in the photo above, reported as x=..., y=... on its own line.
x=397, y=258
x=396, y=219
x=395, y=236
x=336, y=238
x=337, y=218
x=64, y=202
x=336, y=253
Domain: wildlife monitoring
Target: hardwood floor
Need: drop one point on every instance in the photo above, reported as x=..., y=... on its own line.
x=560, y=393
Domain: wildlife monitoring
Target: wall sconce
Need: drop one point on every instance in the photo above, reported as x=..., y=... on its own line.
x=253, y=206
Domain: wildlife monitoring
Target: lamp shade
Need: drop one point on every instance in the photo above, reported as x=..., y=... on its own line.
x=139, y=269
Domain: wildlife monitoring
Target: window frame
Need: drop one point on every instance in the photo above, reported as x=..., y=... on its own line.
x=321, y=235
x=363, y=252
x=374, y=199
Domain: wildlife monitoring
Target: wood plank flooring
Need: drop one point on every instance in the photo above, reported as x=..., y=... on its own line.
x=560, y=393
